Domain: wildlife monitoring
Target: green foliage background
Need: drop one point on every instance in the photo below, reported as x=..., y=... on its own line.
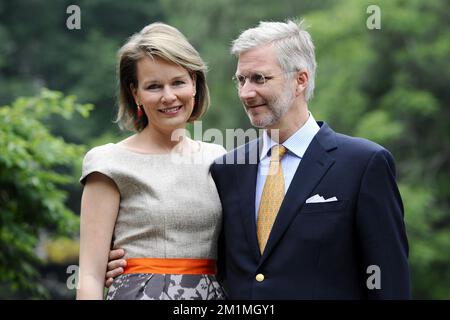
x=388, y=85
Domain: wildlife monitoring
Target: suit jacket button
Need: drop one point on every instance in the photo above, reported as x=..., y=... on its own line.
x=259, y=277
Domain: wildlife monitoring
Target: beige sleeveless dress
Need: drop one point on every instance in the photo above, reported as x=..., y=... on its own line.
x=169, y=208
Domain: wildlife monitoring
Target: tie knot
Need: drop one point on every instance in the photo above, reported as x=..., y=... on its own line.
x=278, y=151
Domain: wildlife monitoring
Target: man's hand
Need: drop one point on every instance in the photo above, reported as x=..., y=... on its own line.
x=116, y=265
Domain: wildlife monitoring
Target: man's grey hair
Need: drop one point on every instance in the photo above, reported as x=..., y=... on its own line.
x=292, y=43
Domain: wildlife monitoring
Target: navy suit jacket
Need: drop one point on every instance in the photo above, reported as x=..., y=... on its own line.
x=316, y=250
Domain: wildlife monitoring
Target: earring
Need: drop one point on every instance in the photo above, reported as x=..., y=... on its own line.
x=140, y=113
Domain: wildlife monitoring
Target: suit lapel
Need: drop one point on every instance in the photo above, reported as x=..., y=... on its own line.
x=247, y=164
x=313, y=166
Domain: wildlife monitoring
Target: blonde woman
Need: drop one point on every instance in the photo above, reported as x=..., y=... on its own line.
x=138, y=195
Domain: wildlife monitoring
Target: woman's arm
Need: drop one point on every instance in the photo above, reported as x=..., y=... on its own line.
x=99, y=208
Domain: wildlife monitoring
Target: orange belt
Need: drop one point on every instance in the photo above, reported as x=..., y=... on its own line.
x=170, y=266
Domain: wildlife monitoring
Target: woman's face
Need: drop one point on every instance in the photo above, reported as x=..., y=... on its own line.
x=166, y=91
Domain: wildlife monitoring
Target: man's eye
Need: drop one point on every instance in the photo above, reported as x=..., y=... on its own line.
x=258, y=79
x=241, y=79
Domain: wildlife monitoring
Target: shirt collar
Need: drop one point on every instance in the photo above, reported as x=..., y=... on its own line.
x=296, y=143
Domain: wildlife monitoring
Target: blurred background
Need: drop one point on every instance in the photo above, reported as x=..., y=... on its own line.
x=58, y=99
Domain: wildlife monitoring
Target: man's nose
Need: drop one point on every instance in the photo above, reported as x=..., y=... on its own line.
x=247, y=91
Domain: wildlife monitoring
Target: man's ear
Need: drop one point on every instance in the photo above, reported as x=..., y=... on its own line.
x=302, y=80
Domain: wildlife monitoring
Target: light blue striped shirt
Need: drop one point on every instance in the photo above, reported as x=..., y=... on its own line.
x=296, y=146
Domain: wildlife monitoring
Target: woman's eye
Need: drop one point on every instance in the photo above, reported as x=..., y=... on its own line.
x=178, y=82
x=153, y=87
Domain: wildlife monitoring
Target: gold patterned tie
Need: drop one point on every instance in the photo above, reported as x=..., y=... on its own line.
x=272, y=196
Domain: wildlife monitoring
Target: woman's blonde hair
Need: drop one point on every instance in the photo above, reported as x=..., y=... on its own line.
x=164, y=41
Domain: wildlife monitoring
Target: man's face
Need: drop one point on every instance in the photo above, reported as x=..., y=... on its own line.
x=265, y=102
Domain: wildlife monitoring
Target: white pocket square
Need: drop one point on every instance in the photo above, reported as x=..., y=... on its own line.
x=319, y=199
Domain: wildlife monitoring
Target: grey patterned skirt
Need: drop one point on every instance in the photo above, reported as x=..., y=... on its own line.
x=140, y=286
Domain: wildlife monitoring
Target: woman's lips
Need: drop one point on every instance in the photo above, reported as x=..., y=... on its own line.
x=171, y=111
